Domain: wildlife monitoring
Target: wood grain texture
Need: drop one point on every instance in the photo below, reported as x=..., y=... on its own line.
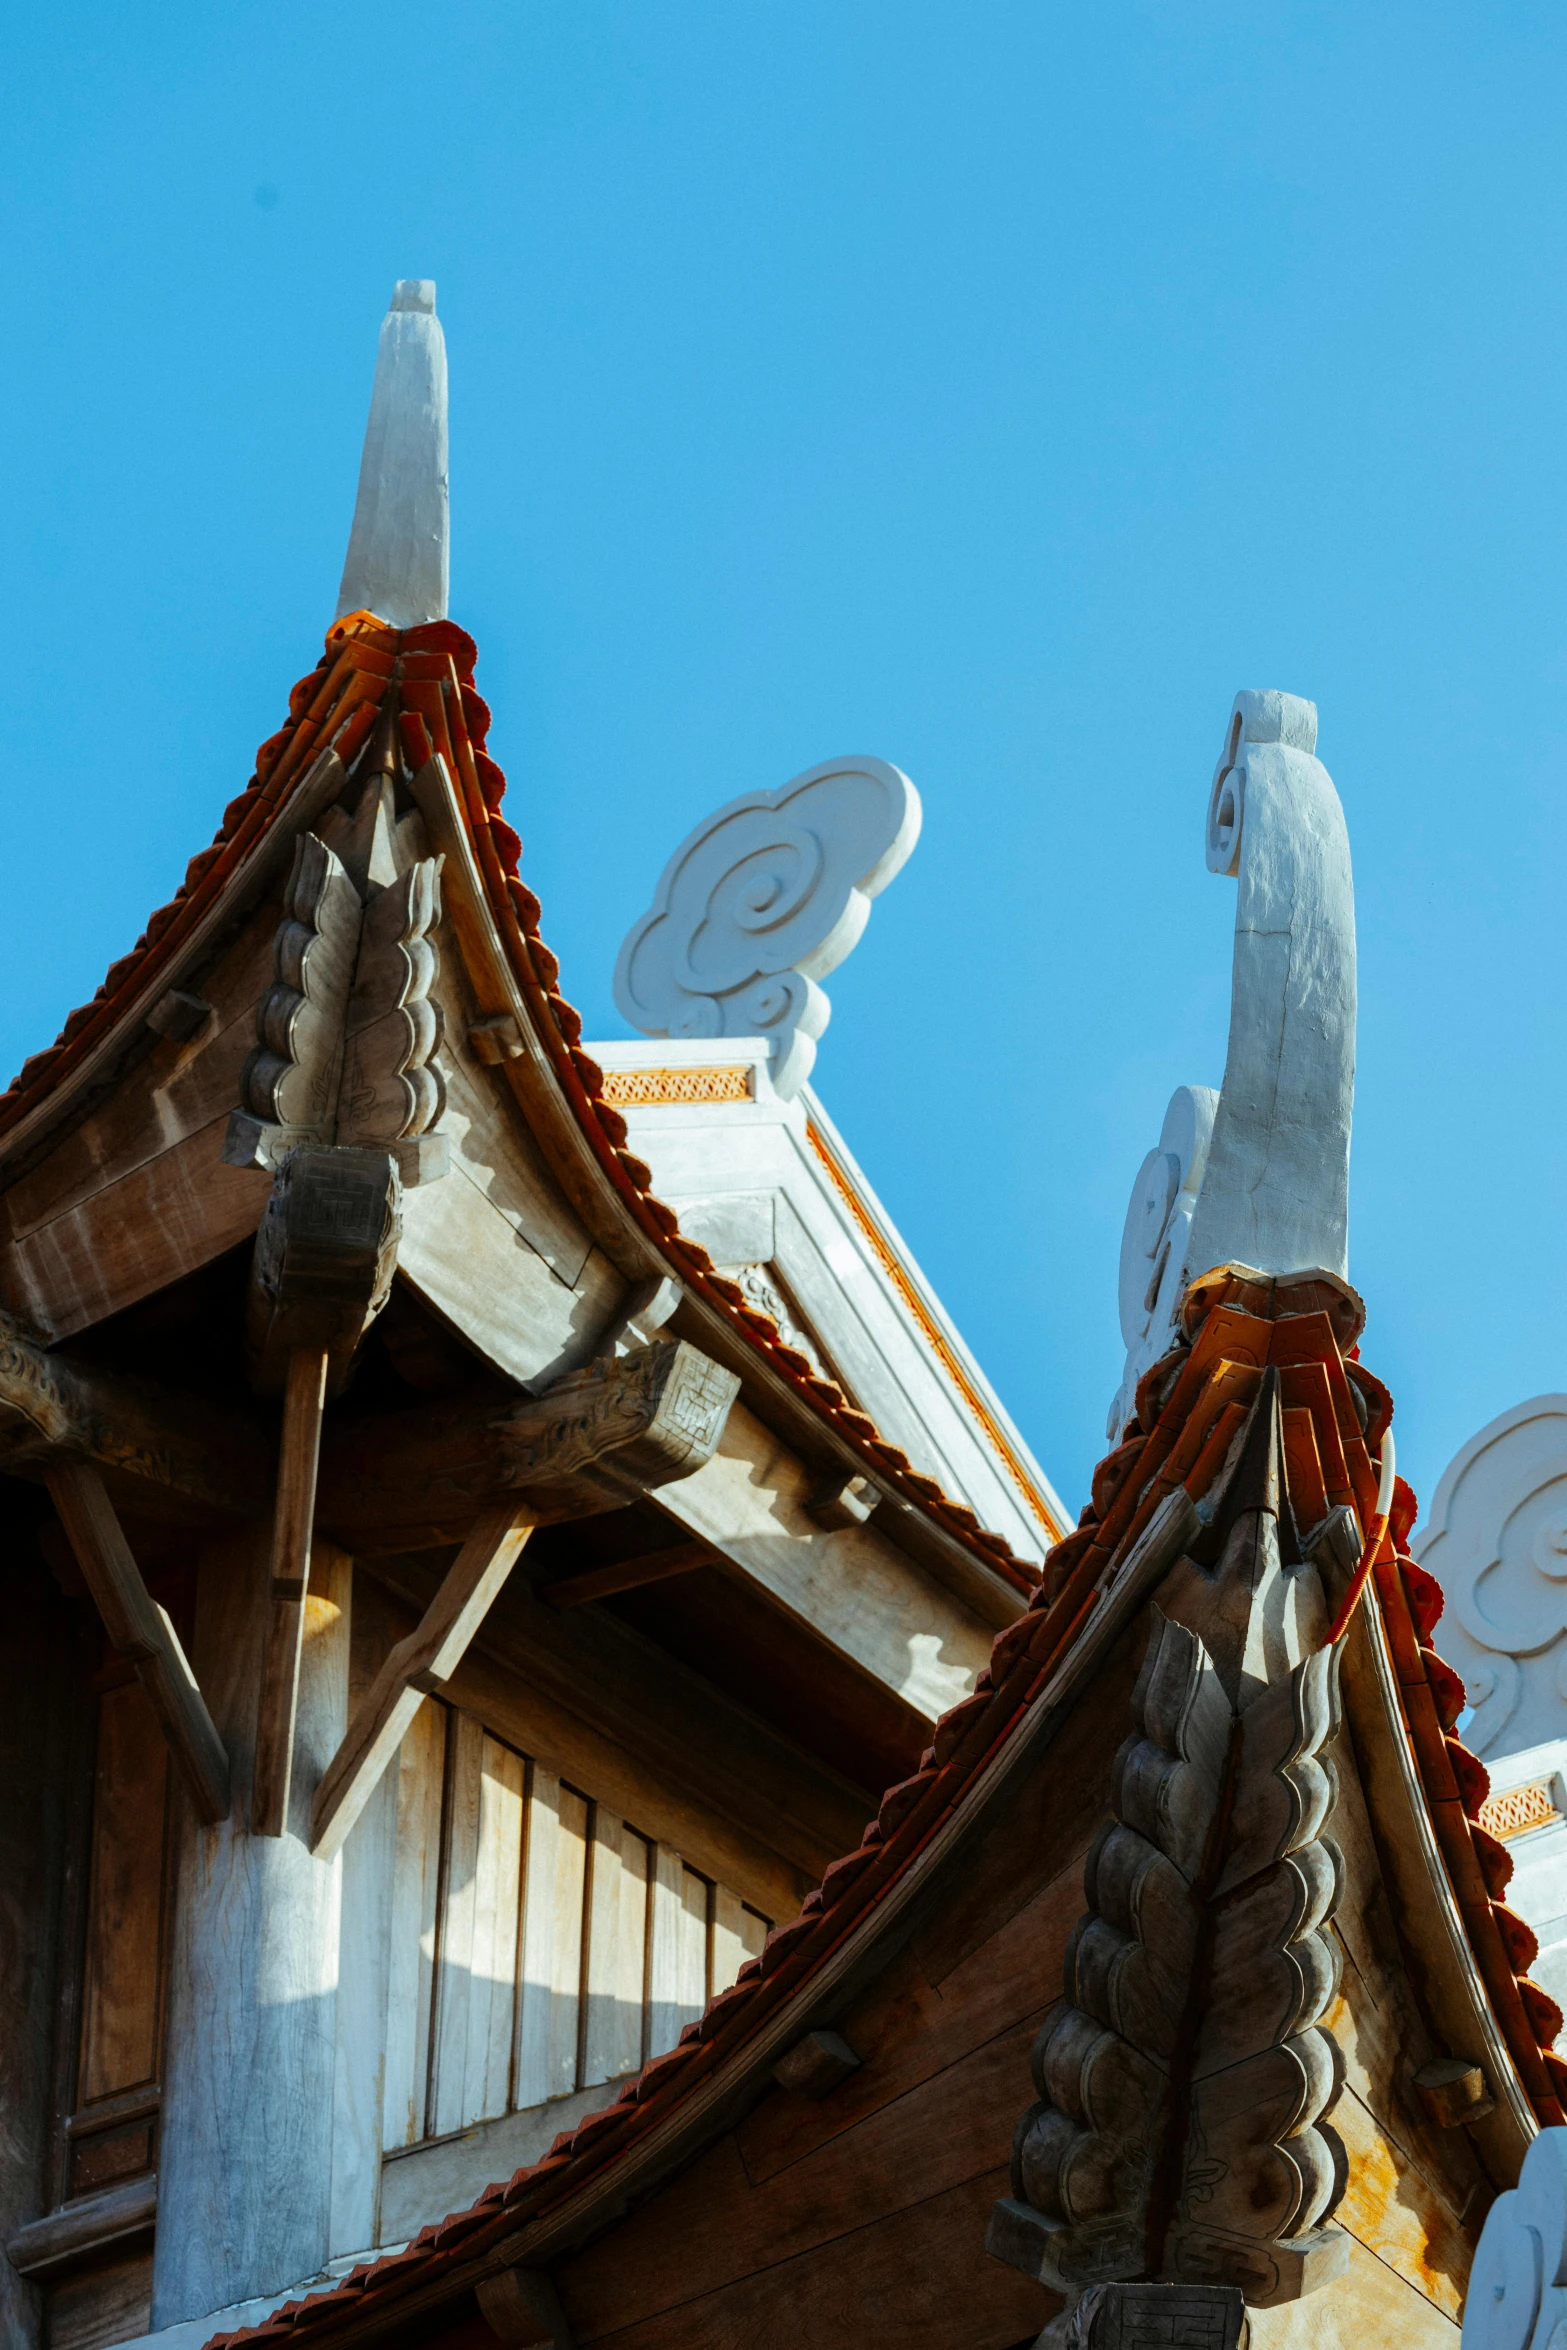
x=293, y=1526
x=714, y=2225
x=122, y=1958
x=245, y=2176
x=686, y=1765
x=178, y=1090
x=591, y=1441
x=142, y=1231
x=420, y=1773
x=476, y=1995
x=916, y=2275
x=52, y=1405
x=43, y=1724
x=1371, y=2304
x=1389, y=2208
x=750, y=1502
x=417, y=1665
x=140, y=1629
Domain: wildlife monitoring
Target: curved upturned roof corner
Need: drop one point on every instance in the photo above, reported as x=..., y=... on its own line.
x=332, y=711
x=1466, y=1953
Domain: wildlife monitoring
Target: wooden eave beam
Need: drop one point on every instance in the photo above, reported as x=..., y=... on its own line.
x=417, y=1667
x=653, y=1566
x=52, y=1407
x=593, y=1441
x=140, y=1629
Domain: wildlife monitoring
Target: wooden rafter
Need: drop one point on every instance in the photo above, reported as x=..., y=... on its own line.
x=141, y=1630
x=653, y=1566
x=421, y=1663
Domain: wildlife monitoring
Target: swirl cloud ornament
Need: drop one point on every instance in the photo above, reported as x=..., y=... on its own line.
x=760, y=902
x=1496, y=1541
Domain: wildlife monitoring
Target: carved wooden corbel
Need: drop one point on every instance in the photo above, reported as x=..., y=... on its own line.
x=1181, y=2132
x=604, y=1436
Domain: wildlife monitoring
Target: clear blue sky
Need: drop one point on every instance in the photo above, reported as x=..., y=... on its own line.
x=994, y=388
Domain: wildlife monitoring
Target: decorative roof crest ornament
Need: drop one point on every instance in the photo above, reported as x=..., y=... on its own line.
x=761, y=901
x=1495, y=1538
x=1258, y=1175
x=399, y=548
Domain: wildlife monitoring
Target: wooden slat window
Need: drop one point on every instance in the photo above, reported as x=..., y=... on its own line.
x=541, y=1943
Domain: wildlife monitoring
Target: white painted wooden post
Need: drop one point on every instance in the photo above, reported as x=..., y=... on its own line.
x=245, y=2171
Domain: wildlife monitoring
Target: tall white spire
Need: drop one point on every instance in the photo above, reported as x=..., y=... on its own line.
x=398, y=550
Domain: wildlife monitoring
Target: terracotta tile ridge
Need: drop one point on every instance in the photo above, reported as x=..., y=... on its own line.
x=1197, y=1387
x=334, y=706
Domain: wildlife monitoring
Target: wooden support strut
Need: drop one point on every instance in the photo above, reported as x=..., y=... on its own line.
x=304, y=1400
x=650, y=1566
x=140, y=1629
x=416, y=1667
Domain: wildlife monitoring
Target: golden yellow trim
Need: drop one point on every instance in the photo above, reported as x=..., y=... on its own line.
x=1519, y=1810
x=646, y=1089
x=933, y=1332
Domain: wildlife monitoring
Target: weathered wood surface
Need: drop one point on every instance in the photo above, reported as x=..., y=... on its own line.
x=424, y=1661
x=227, y=923
x=140, y=1629
x=1443, y=1971
x=41, y=1722
x=245, y=2178
x=751, y=1502
x=122, y=1950
x=593, y=1440
x=51, y=1405
x=293, y=1529
x=1369, y=2304
x=660, y=1744
x=881, y=2284
x=136, y=1194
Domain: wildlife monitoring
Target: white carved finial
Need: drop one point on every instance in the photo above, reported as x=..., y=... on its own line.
x=1153, y=1242
x=1276, y=1191
x=1267, y=1183
x=1496, y=1541
x=1517, y=2297
x=760, y=902
x=397, y=560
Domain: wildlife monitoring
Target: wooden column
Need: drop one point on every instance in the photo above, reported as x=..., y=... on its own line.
x=304, y=1400
x=245, y=2174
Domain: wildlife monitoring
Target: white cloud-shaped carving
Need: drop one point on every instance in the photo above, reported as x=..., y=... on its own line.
x=760, y=902
x=1496, y=1541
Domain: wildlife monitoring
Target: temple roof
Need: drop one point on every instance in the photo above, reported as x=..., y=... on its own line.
x=1467, y=1952
x=428, y=671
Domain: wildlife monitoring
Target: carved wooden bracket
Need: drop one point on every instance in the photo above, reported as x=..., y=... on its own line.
x=595, y=1440
x=1181, y=2129
x=347, y=1032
